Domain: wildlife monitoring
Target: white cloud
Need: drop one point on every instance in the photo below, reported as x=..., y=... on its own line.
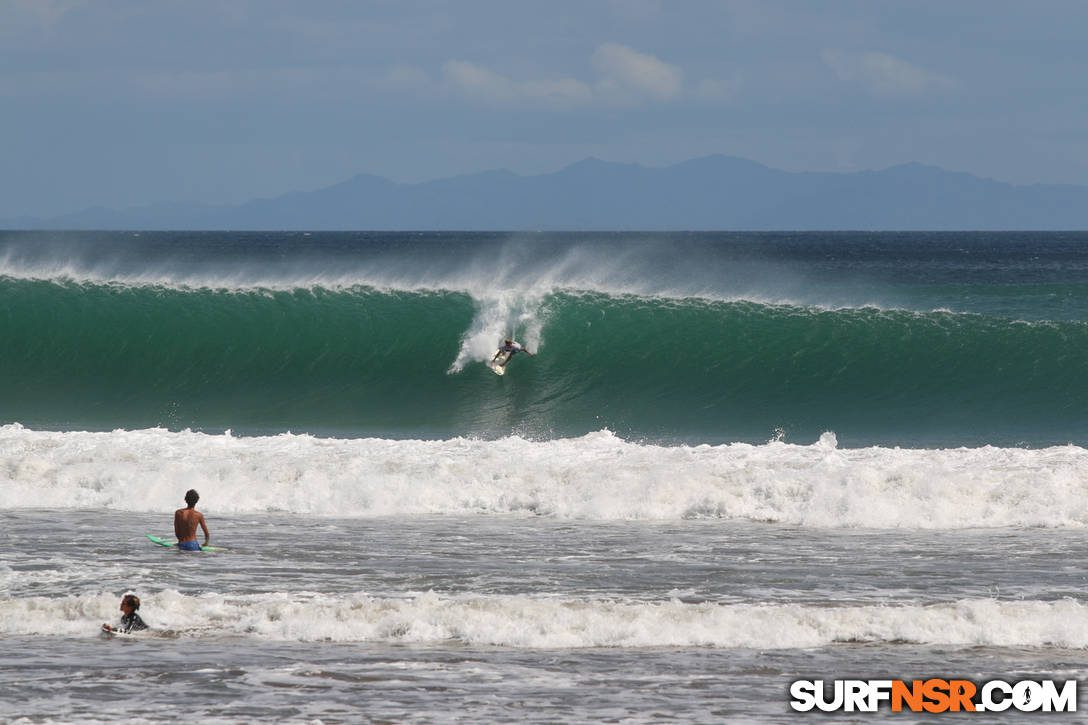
x=483, y=83
x=625, y=77
x=629, y=75
x=717, y=90
x=885, y=75
x=479, y=82
x=564, y=91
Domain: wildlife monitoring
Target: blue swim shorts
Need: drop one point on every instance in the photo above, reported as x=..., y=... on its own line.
x=189, y=545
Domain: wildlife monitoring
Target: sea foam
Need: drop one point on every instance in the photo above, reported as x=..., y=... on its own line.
x=538, y=622
x=594, y=477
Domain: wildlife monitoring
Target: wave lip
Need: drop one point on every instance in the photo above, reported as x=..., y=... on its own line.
x=524, y=622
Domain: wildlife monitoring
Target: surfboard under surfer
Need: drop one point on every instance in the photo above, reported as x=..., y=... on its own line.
x=509, y=348
x=185, y=522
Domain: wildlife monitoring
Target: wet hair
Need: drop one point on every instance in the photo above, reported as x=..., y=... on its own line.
x=132, y=600
x=191, y=497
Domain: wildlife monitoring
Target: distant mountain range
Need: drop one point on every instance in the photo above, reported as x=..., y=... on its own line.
x=709, y=193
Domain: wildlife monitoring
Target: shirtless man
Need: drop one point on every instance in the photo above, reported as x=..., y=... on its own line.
x=185, y=522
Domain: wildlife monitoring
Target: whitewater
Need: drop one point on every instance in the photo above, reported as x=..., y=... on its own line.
x=737, y=460
x=817, y=485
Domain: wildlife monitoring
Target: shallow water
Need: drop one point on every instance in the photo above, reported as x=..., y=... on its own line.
x=462, y=619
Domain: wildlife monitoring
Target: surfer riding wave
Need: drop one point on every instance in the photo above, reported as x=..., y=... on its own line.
x=509, y=348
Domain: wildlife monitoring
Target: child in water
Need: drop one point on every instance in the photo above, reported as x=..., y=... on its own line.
x=130, y=620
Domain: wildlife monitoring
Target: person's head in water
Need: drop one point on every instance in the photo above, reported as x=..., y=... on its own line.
x=191, y=497
x=508, y=341
x=130, y=603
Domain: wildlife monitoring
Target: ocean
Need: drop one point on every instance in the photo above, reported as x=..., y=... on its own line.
x=737, y=460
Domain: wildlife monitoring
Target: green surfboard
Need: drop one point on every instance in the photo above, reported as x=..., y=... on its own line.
x=164, y=542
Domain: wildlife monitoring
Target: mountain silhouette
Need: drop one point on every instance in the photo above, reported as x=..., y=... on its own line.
x=709, y=193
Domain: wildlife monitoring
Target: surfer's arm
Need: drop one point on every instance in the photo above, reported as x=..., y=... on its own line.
x=207, y=536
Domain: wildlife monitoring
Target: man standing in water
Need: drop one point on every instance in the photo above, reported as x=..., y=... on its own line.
x=185, y=522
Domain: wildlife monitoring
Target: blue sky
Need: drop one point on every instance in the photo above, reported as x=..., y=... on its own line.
x=123, y=103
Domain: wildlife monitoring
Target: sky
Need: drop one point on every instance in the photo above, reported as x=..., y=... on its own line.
x=124, y=103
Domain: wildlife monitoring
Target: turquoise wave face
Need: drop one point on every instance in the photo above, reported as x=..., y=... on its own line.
x=361, y=361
